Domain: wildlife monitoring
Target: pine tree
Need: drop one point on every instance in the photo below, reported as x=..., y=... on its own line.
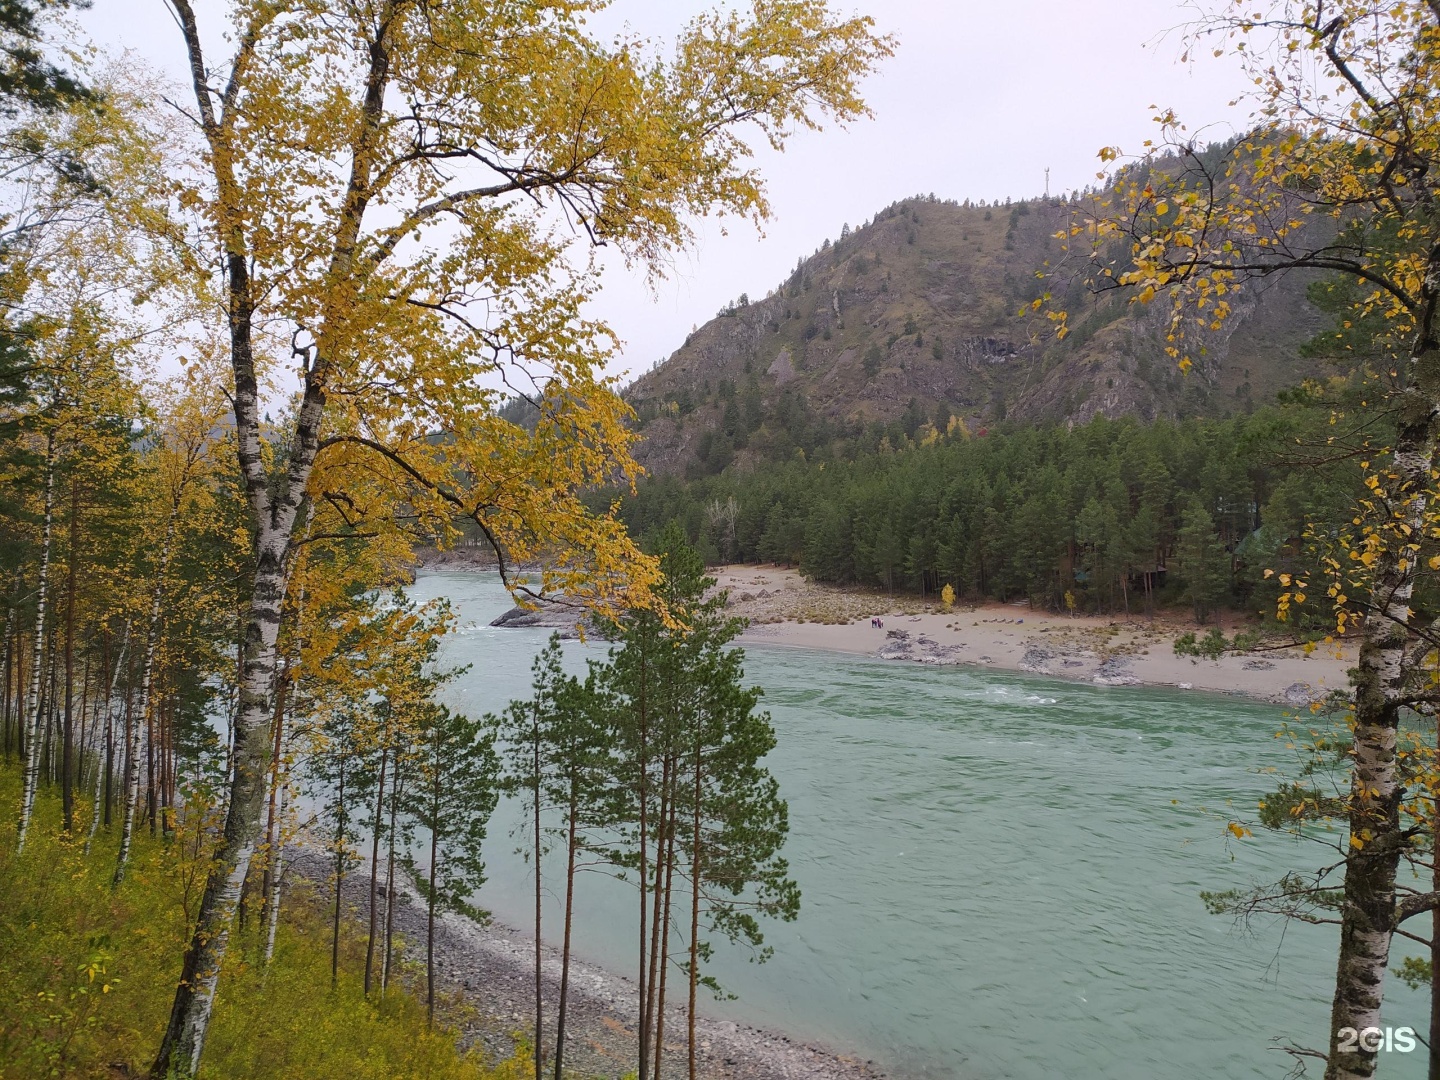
x=1204, y=563
x=689, y=801
x=453, y=790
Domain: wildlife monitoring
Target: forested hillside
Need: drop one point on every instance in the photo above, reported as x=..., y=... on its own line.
x=1118, y=514
x=915, y=318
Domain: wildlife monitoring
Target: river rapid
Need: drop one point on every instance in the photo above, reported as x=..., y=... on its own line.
x=1000, y=874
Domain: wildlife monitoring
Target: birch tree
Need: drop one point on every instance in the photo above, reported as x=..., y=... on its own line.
x=1337, y=175
x=382, y=186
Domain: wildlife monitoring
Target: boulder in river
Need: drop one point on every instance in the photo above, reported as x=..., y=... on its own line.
x=549, y=615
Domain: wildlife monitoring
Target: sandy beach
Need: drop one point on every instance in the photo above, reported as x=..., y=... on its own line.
x=785, y=609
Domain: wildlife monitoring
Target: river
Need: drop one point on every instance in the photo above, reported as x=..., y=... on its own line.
x=1000, y=874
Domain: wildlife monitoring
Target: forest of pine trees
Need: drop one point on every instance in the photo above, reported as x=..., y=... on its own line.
x=1121, y=514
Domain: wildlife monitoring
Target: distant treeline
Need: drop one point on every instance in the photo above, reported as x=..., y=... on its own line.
x=1109, y=516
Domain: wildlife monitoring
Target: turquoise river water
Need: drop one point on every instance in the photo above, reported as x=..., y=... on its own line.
x=1000, y=874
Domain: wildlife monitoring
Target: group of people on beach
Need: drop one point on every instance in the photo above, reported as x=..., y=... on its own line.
x=877, y=623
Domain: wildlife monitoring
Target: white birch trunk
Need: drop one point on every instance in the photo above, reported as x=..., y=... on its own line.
x=100, y=768
x=32, y=700
x=1383, y=682
x=272, y=901
x=274, y=510
x=152, y=636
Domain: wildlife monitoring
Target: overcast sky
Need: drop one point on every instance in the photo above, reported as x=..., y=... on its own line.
x=980, y=98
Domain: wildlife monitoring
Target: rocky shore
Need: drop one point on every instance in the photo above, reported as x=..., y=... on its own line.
x=488, y=971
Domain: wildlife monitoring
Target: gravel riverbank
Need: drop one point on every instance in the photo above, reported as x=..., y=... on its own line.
x=492, y=970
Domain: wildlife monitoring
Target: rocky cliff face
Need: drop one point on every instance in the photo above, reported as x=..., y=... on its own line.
x=912, y=319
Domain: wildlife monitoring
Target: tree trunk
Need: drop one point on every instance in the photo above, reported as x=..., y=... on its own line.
x=103, y=766
x=166, y=755
x=88, y=744
x=152, y=637
x=390, y=882
x=184, y=1041
x=657, y=912
x=539, y=979
x=33, y=709
x=663, y=915
x=696, y=872
x=275, y=503
x=277, y=873
x=430, y=910
x=151, y=793
x=48, y=748
x=1381, y=676
x=642, y=1032
x=267, y=879
x=67, y=754
x=574, y=809
x=6, y=713
x=375, y=865
x=339, y=877
x=1434, y=1071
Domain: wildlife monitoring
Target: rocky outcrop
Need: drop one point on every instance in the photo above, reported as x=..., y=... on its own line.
x=913, y=315
x=568, y=619
x=921, y=650
x=1115, y=671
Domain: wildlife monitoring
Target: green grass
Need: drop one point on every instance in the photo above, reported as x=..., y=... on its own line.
x=87, y=973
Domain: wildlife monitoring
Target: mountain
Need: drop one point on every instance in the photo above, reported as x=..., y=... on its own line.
x=912, y=319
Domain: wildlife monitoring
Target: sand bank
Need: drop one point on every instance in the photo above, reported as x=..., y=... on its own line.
x=785, y=609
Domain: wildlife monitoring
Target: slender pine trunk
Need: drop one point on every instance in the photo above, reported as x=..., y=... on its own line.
x=539, y=979
x=1434, y=1070
x=657, y=921
x=390, y=882
x=33, y=711
x=430, y=902
x=663, y=920
x=339, y=876
x=570, y=842
x=696, y=877
x=644, y=762
x=375, y=865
